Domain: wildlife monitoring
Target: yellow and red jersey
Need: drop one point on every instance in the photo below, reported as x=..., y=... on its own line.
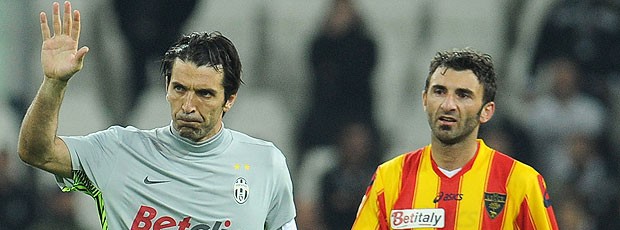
x=492, y=191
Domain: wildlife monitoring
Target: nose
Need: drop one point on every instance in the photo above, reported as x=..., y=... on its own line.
x=449, y=103
x=189, y=106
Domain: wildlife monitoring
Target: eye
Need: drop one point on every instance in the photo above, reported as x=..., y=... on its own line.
x=439, y=91
x=178, y=88
x=205, y=93
x=464, y=95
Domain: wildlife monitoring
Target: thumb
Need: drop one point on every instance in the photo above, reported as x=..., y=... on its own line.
x=81, y=53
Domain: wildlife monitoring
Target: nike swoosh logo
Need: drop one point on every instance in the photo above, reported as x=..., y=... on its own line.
x=147, y=181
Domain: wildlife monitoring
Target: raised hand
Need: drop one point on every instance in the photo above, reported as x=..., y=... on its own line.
x=59, y=54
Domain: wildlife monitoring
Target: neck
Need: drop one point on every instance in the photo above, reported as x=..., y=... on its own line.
x=453, y=156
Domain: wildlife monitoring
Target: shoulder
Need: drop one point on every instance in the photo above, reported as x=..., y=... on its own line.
x=121, y=132
x=519, y=172
x=524, y=170
x=246, y=139
x=113, y=134
x=255, y=145
x=398, y=162
x=523, y=179
x=501, y=161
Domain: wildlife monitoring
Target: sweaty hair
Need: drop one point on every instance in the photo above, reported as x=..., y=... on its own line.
x=467, y=59
x=206, y=49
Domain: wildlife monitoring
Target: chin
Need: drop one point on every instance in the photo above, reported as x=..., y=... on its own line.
x=447, y=141
x=190, y=135
x=186, y=132
x=447, y=138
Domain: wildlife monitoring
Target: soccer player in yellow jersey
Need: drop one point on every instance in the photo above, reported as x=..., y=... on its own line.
x=456, y=182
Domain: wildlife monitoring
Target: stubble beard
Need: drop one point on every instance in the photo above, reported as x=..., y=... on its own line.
x=193, y=133
x=450, y=135
x=190, y=133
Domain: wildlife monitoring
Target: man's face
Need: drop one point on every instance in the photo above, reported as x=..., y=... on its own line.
x=196, y=97
x=453, y=103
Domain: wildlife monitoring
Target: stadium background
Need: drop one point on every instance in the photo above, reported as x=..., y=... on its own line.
x=272, y=38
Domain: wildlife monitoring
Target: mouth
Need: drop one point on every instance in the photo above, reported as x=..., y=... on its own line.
x=447, y=120
x=188, y=122
x=188, y=118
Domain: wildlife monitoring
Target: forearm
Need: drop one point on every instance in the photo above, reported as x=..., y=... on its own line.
x=37, y=135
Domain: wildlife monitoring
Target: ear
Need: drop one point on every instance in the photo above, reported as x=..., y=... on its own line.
x=166, y=88
x=487, y=112
x=424, y=99
x=230, y=102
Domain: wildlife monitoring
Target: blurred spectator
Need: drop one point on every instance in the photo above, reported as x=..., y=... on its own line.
x=58, y=212
x=559, y=111
x=586, y=175
x=17, y=200
x=333, y=179
x=308, y=186
x=343, y=185
x=509, y=137
x=588, y=32
x=611, y=222
x=343, y=58
x=571, y=214
x=149, y=28
x=567, y=127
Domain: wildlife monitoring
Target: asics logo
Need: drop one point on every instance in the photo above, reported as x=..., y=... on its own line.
x=448, y=197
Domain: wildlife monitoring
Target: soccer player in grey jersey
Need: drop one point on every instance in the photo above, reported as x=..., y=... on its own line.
x=192, y=174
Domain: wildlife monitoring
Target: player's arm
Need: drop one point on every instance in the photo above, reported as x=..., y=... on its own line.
x=38, y=143
x=281, y=213
x=536, y=211
x=371, y=212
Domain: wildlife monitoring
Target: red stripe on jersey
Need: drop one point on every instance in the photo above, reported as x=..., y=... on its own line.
x=383, y=223
x=524, y=219
x=464, y=169
x=449, y=187
x=372, y=181
x=497, y=178
x=409, y=180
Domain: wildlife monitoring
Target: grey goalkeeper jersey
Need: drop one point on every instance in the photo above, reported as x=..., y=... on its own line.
x=155, y=179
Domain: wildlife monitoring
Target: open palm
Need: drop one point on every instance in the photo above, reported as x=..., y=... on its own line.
x=59, y=54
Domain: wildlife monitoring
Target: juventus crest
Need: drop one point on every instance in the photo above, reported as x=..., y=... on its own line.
x=241, y=190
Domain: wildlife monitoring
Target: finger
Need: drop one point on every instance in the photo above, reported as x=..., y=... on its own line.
x=45, y=29
x=56, y=19
x=81, y=53
x=75, y=32
x=67, y=19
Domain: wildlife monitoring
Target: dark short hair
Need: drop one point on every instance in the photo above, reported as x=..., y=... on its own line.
x=206, y=49
x=467, y=59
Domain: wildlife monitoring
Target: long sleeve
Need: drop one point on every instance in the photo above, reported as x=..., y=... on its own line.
x=372, y=213
x=536, y=210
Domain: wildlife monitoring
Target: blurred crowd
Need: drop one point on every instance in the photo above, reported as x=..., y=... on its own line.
x=335, y=84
